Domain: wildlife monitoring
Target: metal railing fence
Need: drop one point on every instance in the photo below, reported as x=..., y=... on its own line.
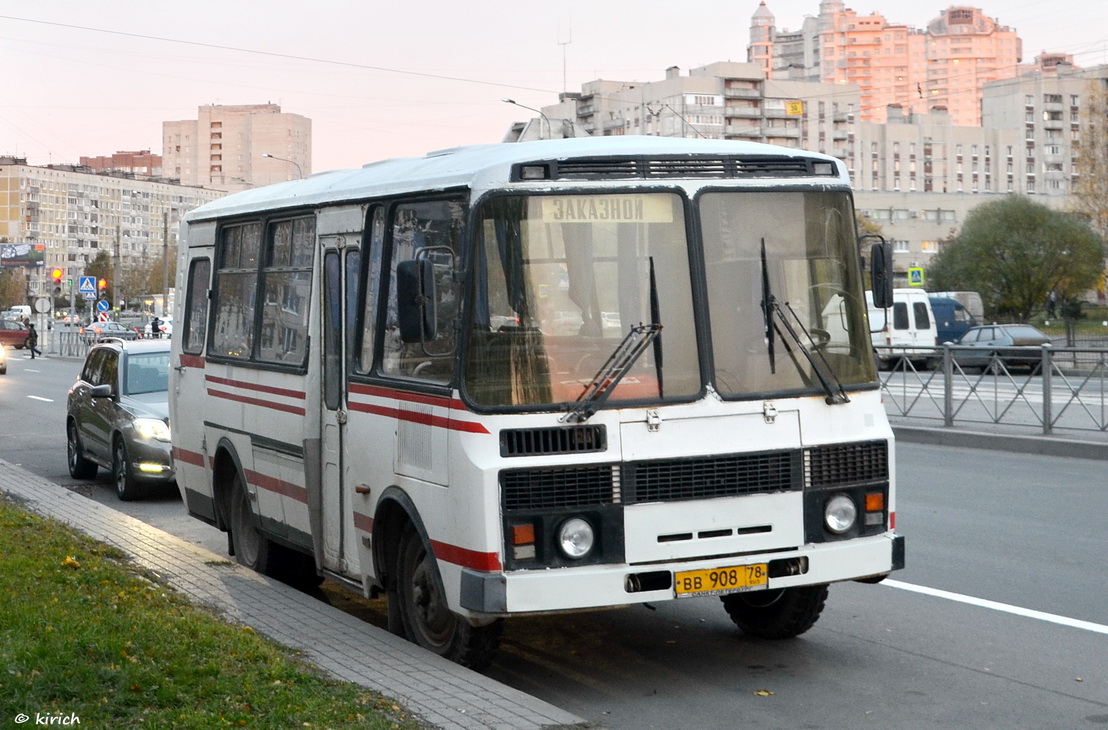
x=1052, y=387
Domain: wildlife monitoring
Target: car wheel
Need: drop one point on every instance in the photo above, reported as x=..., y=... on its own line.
x=126, y=488
x=79, y=466
x=776, y=614
x=427, y=619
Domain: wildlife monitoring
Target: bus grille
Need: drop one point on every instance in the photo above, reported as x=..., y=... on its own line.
x=577, y=486
x=545, y=441
x=641, y=168
x=669, y=480
x=865, y=462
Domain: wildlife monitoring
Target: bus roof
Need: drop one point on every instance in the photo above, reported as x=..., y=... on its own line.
x=486, y=166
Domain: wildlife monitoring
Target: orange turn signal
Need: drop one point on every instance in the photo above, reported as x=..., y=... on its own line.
x=523, y=534
x=875, y=502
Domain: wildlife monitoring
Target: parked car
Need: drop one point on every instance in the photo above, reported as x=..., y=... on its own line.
x=1015, y=345
x=13, y=333
x=99, y=330
x=117, y=416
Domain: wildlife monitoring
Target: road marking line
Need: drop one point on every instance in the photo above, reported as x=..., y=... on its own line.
x=1005, y=607
x=37, y=397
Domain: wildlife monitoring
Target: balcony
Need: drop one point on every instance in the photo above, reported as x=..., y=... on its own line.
x=742, y=132
x=731, y=93
x=780, y=132
x=742, y=112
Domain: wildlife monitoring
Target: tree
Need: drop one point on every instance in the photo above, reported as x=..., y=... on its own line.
x=1091, y=190
x=1015, y=252
x=13, y=288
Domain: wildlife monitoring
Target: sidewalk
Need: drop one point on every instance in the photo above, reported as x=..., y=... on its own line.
x=439, y=692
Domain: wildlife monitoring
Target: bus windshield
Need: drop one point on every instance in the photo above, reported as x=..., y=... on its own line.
x=784, y=291
x=561, y=282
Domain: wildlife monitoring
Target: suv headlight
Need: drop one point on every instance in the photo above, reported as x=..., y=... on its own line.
x=152, y=428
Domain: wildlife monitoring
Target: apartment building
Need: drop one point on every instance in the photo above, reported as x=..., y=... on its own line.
x=62, y=216
x=942, y=67
x=917, y=174
x=234, y=148
x=1048, y=109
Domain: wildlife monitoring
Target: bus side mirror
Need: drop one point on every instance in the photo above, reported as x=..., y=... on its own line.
x=881, y=273
x=415, y=300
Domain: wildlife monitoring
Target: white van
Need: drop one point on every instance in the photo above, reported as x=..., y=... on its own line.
x=908, y=324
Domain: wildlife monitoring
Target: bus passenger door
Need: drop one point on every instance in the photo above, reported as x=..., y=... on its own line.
x=340, y=267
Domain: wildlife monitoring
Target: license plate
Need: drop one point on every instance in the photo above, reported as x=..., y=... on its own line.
x=717, y=581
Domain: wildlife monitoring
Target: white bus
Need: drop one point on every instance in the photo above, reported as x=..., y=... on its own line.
x=537, y=377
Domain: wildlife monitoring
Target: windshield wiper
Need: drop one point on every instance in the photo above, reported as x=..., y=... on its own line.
x=767, y=311
x=772, y=314
x=613, y=370
x=836, y=393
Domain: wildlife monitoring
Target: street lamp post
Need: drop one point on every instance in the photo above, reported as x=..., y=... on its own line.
x=299, y=172
x=506, y=100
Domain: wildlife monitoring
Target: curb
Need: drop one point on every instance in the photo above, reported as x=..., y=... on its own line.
x=1040, y=445
x=440, y=693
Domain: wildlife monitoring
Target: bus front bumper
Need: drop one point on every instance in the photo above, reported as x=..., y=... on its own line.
x=596, y=586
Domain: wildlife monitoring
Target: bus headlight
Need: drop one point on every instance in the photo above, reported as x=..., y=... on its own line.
x=576, y=538
x=840, y=514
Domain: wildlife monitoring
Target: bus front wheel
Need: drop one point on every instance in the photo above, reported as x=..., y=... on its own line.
x=427, y=619
x=776, y=614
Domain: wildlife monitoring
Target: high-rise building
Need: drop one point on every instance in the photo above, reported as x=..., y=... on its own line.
x=237, y=147
x=940, y=68
x=917, y=174
x=63, y=216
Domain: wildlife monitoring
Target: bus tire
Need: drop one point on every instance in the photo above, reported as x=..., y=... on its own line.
x=427, y=619
x=782, y=613
x=252, y=549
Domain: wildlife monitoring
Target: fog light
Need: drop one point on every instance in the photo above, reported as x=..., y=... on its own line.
x=576, y=538
x=840, y=514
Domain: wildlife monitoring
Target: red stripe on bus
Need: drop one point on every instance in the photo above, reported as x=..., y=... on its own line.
x=486, y=562
x=363, y=522
x=426, y=419
x=189, y=457
x=428, y=400
x=278, y=486
x=192, y=361
x=298, y=410
x=254, y=386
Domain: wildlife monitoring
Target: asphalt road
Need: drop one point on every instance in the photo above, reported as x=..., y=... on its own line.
x=999, y=620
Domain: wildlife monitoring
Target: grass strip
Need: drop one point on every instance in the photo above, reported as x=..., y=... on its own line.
x=86, y=636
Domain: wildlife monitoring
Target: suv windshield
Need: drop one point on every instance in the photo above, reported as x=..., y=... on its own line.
x=147, y=372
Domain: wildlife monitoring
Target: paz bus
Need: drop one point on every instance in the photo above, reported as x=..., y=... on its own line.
x=541, y=377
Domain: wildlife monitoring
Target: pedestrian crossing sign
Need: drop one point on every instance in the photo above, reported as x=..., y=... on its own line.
x=915, y=276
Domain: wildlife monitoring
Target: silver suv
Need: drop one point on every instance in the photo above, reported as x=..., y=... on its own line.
x=118, y=416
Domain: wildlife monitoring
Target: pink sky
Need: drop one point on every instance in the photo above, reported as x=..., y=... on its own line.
x=385, y=79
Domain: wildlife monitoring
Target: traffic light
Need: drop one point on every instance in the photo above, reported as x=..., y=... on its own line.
x=57, y=275
x=101, y=284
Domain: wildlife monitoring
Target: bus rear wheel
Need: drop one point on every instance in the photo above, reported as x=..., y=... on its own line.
x=427, y=619
x=776, y=614
x=252, y=549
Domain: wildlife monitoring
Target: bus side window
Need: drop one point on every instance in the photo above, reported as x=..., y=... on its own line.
x=196, y=307
x=428, y=232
